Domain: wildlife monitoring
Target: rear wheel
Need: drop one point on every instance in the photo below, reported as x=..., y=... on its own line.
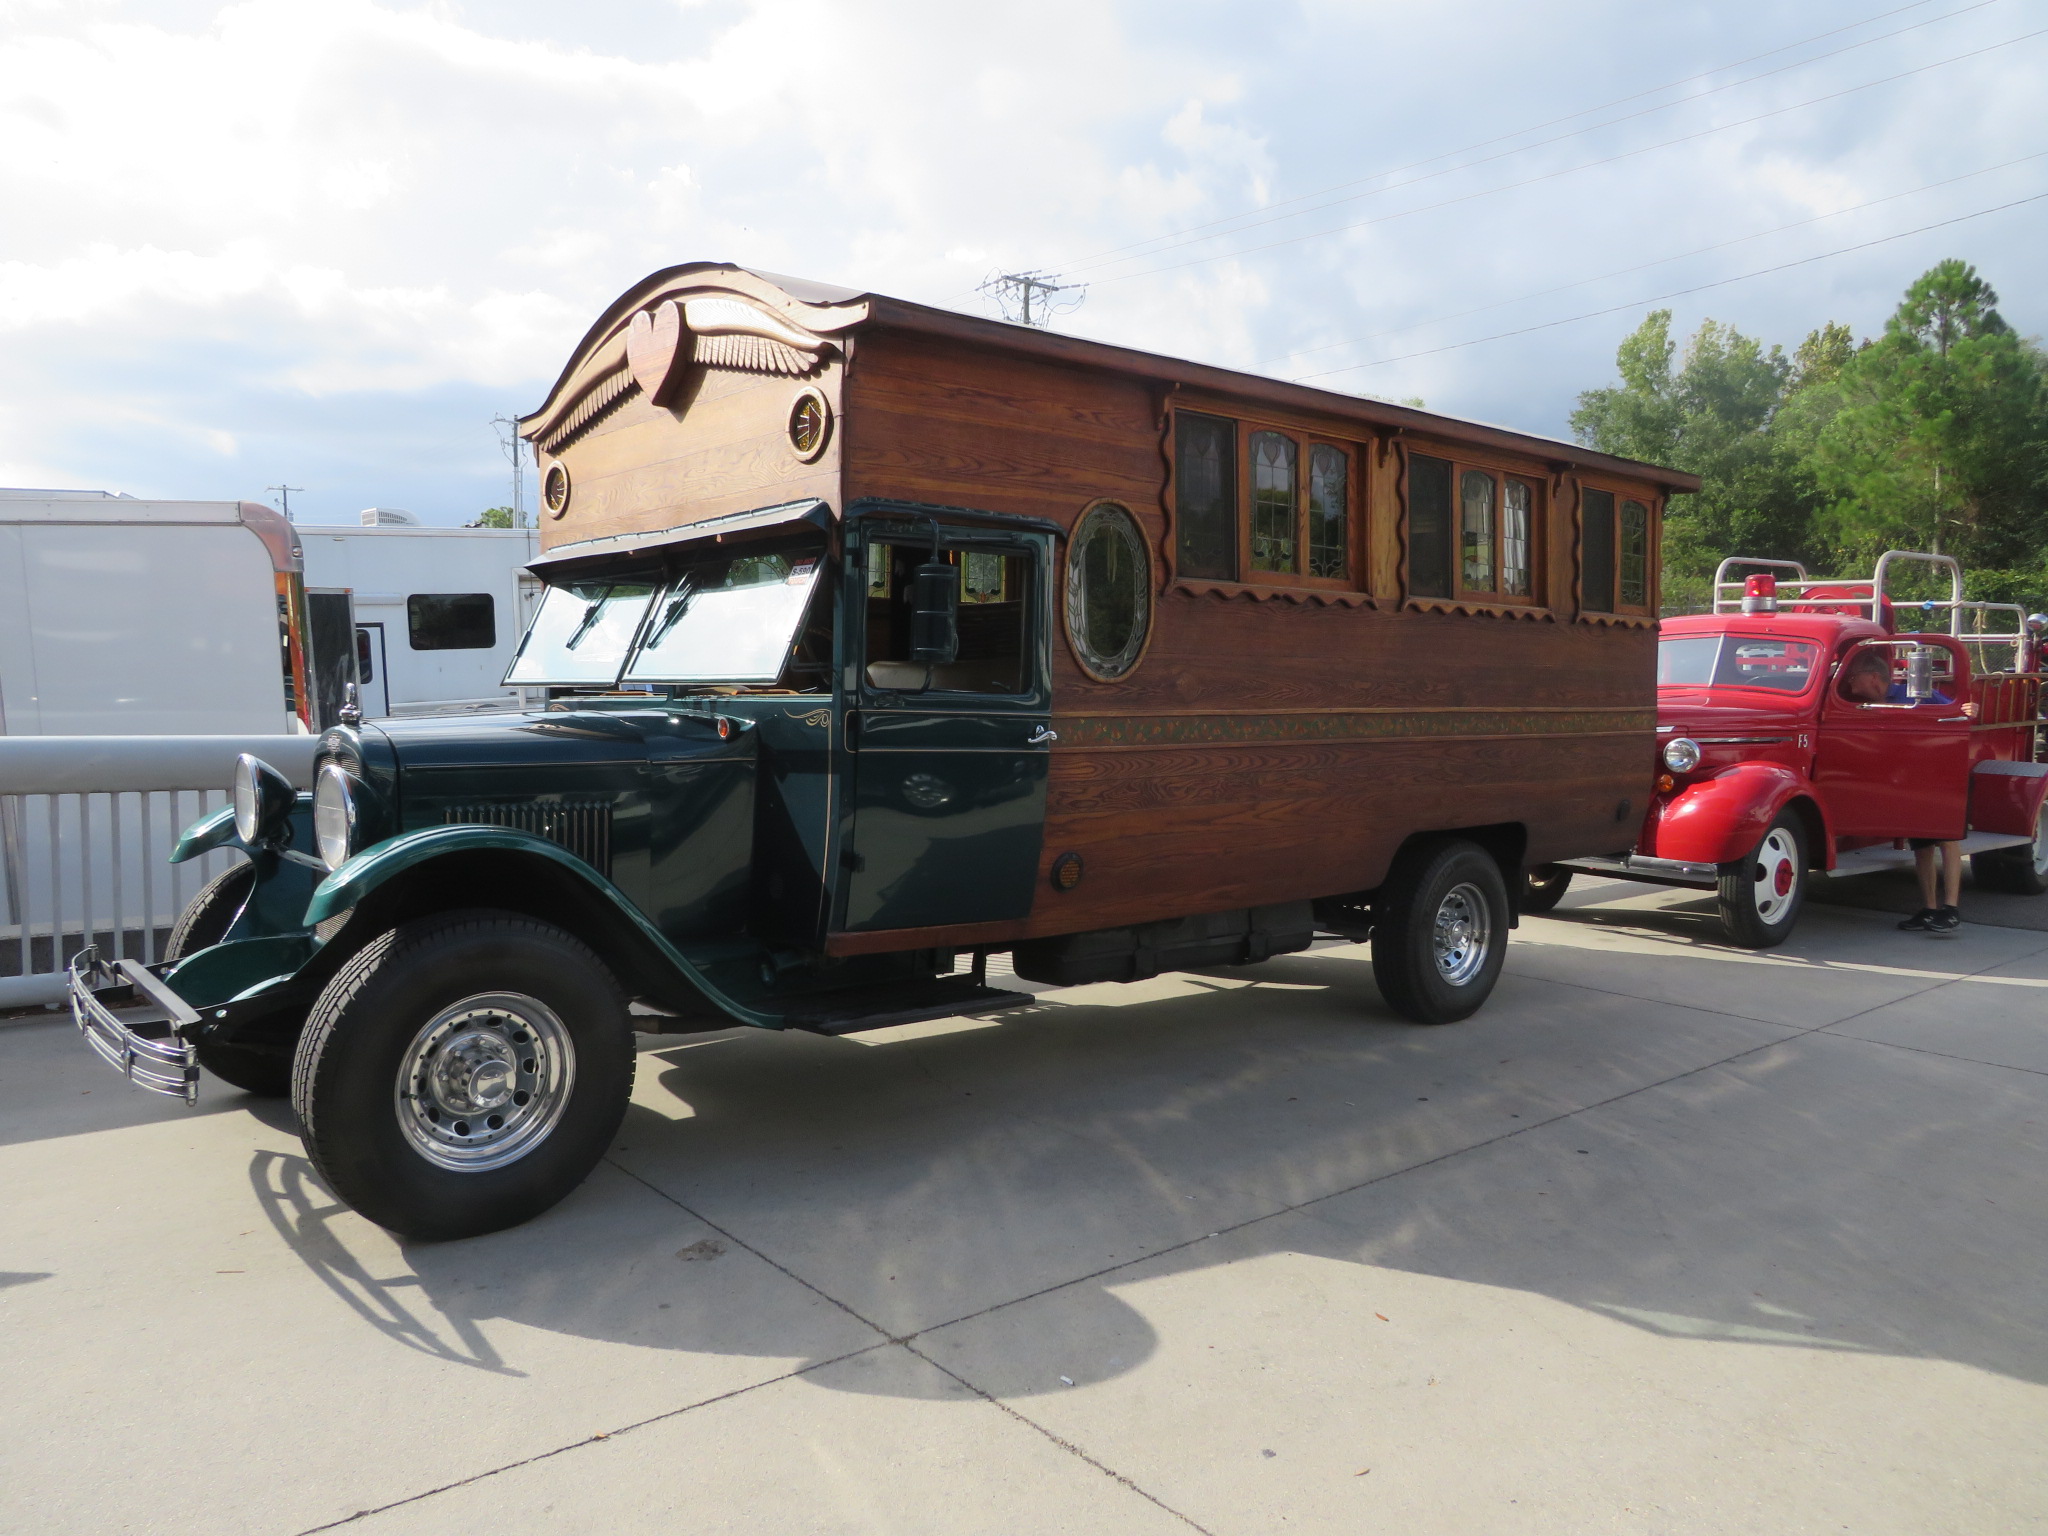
x=203, y=923
x=1543, y=887
x=1440, y=933
x=1760, y=896
x=464, y=1073
x=2020, y=871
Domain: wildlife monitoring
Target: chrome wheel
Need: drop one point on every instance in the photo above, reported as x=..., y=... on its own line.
x=485, y=1081
x=1463, y=930
x=1774, y=874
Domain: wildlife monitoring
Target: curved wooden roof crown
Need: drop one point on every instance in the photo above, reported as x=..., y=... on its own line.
x=717, y=313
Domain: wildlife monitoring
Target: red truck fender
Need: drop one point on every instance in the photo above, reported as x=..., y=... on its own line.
x=2006, y=797
x=1724, y=817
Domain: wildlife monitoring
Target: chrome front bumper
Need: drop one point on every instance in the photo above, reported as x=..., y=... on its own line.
x=146, y=1046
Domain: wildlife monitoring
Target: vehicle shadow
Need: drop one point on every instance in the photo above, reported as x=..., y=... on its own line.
x=1814, y=1196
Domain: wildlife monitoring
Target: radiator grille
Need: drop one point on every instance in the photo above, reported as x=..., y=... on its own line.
x=582, y=827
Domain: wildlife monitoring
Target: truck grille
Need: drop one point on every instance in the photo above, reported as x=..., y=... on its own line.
x=582, y=827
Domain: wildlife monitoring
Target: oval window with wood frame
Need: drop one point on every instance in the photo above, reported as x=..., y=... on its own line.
x=1109, y=591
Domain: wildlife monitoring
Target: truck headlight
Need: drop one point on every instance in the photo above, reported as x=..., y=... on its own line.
x=1682, y=755
x=263, y=801
x=334, y=816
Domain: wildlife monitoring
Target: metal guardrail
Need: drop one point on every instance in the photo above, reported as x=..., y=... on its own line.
x=87, y=824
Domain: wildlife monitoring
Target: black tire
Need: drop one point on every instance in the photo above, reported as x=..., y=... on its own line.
x=207, y=915
x=1422, y=980
x=532, y=1033
x=1760, y=896
x=264, y=1073
x=2016, y=871
x=1543, y=887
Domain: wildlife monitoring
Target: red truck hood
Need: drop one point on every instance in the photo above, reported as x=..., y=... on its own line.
x=1689, y=712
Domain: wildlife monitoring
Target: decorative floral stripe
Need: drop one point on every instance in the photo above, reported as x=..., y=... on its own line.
x=1354, y=725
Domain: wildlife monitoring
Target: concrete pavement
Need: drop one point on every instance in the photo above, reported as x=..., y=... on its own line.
x=1669, y=1238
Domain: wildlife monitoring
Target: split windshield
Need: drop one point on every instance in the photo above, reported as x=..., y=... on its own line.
x=1736, y=661
x=715, y=615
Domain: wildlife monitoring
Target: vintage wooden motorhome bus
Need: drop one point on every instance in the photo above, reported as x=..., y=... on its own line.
x=878, y=639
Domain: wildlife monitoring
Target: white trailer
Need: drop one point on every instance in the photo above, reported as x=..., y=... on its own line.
x=121, y=617
x=437, y=612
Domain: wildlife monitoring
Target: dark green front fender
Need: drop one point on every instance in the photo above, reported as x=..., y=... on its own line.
x=393, y=858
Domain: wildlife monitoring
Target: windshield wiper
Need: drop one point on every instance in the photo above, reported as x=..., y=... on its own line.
x=590, y=615
x=678, y=605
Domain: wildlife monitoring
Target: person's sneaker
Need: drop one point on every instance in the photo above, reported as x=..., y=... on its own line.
x=1921, y=921
x=1947, y=920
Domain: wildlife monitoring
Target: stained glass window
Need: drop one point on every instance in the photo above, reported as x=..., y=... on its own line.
x=1329, y=509
x=1514, y=538
x=1109, y=592
x=1475, y=499
x=1205, y=496
x=1635, y=554
x=1274, y=520
x=1429, y=526
x=1596, y=522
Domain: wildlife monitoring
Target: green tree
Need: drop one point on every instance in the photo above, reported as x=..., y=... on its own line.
x=1941, y=438
x=495, y=517
x=1715, y=415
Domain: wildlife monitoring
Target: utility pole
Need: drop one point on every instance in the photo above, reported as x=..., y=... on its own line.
x=1030, y=298
x=515, y=449
x=284, y=497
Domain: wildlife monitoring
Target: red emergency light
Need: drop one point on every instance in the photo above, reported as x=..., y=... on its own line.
x=1760, y=594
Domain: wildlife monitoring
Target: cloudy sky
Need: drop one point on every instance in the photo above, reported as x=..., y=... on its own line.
x=324, y=243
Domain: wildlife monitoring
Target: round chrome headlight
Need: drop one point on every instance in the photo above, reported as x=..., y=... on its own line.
x=334, y=815
x=248, y=799
x=1682, y=755
x=263, y=800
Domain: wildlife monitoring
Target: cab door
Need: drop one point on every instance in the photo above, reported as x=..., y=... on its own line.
x=1897, y=768
x=946, y=761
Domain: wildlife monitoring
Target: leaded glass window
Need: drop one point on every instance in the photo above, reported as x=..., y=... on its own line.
x=1205, y=496
x=1516, y=499
x=1274, y=507
x=1475, y=502
x=1429, y=526
x=1635, y=554
x=1329, y=512
x=1109, y=591
x=1596, y=522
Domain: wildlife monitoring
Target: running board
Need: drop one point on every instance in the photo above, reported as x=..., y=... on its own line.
x=852, y=1009
x=1868, y=861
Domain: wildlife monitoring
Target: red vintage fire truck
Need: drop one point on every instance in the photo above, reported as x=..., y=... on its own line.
x=1776, y=761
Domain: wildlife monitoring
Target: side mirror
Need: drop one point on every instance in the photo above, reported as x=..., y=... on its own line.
x=1920, y=673
x=934, y=613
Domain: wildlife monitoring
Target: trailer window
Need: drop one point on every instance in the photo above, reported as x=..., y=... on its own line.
x=1515, y=522
x=1109, y=591
x=1205, y=496
x=1596, y=541
x=1329, y=513
x=1273, y=503
x=451, y=621
x=1475, y=501
x=1635, y=554
x=1429, y=526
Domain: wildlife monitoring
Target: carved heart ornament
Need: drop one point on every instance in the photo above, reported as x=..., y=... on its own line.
x=657, y=347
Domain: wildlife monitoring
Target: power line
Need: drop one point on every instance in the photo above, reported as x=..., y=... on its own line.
x=1676, y=293
x=1250, y=220
x=1582, y=282
x=1031, y=298
x=1586, y=165
x=284, y=493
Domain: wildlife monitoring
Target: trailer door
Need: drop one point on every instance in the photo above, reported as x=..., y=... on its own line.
x=947, y=761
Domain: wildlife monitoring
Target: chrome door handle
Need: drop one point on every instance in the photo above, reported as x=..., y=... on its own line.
x=1041, y=735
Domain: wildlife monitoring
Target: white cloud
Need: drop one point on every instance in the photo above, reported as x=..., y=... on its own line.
x=275, y=239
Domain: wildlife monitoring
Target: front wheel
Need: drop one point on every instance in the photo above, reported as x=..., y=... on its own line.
x=2018, y=871
x=1760, y=896
x=462, y=1074
x=1440, y=933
